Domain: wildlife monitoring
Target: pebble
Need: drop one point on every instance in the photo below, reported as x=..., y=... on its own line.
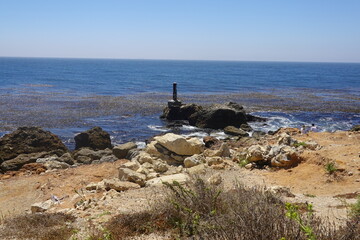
x=357, y=180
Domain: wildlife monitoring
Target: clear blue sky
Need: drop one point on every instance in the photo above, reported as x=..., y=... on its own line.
x=254, y=30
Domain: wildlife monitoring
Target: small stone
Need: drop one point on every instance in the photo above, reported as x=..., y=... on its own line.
x=350, y=173
x=160, y=167
x=41, y=206
x=215, y=179
x=213, y=160
x=117, y=185
x=131, y=165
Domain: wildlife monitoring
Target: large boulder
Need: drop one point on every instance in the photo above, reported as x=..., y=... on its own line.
x=180, y=113
x=219, y=116
x=287, y=158
x=95, y=138
x=180, y=145
x=27, y=140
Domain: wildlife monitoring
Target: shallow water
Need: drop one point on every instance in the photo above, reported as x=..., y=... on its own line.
x=126, y=97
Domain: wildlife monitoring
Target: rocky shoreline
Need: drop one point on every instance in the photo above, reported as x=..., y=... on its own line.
x=31, y=151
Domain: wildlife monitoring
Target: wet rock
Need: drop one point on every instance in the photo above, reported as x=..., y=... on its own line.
x=95, y=138
x=26, y=140
x=121, y=151
x=355, y=128
x=181, y=113
x=219, y=116
x=246, y=127
x=258, y=134
x=231, y=130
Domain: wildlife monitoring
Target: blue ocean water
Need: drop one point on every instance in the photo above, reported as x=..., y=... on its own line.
x=125, y=97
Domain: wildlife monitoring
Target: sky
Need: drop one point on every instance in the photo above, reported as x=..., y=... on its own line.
x=244, y=30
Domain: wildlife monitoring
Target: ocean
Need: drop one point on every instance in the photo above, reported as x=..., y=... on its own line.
x=126, y=97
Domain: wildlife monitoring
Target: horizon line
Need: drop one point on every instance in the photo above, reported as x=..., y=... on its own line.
x=165, y=59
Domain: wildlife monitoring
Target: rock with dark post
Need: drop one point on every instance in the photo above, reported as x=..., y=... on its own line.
x=26, y=140
x=95, y=138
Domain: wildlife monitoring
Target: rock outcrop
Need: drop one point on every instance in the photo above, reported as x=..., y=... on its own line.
x=217, y=116
x=26, y=140
x=95, y=138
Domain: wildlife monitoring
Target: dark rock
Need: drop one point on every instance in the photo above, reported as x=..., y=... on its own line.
x=84, y=159
x=210, y=141
x=67, y=158
x=219, y=116
x=355, y=128
x=177, y=123
x=20, y=160
x=121, y=151
x=246, y=127
x=95, y=138
x=258, y=134
x=27, y=140
x=180, y=113
x=231, y=130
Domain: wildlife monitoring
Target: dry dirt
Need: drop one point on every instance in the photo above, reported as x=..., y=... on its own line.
x=308, y=181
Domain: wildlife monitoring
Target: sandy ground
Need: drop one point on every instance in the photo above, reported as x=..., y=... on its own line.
x=308, y=181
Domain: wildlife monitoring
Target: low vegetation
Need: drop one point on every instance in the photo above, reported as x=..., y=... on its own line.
x=200, y=211
x=197, y=211
x=44, y=226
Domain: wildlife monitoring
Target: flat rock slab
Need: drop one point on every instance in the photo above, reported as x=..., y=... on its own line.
x=180, y=178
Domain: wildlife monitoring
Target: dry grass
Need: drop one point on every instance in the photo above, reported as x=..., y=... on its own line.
x=200, y=211
x=45, y=226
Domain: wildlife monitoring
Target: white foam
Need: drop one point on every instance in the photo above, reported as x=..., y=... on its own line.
x=157, y=128
x=140, y=145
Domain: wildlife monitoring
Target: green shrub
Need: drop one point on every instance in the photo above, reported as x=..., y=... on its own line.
x=330, y=168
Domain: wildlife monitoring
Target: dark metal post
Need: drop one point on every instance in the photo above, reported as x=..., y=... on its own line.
x=175, y=92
